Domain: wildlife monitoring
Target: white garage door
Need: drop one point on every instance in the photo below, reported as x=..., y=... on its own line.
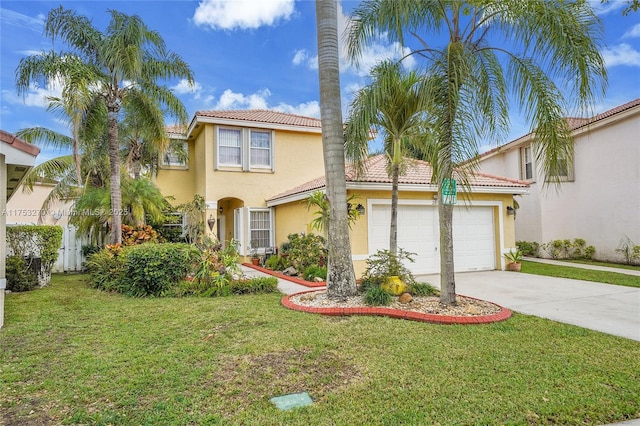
x=473, y=236
x=417, y=233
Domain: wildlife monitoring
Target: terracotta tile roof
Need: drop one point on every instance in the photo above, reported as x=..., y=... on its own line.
x=575, y=123
x=18, y=143
x=417, y=173
x=263, y=116
x=176, y=129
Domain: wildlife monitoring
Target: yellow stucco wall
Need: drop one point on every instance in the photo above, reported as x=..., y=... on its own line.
x=179, y=182
x=293, y=217
x=297, y=159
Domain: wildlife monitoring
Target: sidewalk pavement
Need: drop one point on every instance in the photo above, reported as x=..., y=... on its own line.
x=286, y=287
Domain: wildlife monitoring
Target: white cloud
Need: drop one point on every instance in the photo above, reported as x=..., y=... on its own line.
x=231, y=100
x=183, y=87
x=371, y=55
x=19, y=20
x=242, y=14
x=621, y=54
x=259, y=100
x=300, y=56
x=35, y=96
x=308, y=109
x=606, y=8
x=634, y=32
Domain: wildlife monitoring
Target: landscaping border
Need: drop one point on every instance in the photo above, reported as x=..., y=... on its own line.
x=286, y=277
x=399, y=313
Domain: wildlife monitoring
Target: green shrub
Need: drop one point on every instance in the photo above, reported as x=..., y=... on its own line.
x=376, y=296
x=152, y=269
x=370, y=281
x=589, y=251
x=257, y=285
x=315, y=271
x=306, y=250
x=384, y=264
x=106, y=269
x=276, y=263
x=528, y=248
x=628, y=250
x=19, y=276
x=423, y=289
x=36, y=241
x=243, y=286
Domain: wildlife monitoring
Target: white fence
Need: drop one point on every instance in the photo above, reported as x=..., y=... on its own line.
x=70, y=257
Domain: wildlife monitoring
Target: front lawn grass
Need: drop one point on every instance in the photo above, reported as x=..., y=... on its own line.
x=578, y=273
x=73, y=355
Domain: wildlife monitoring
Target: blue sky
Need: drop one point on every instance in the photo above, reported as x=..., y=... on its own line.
x=252, y=54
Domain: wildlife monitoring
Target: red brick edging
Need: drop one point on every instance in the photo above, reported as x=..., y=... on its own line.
x=399, y=313
x=285, y=277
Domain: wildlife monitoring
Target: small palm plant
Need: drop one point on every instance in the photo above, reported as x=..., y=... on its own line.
x=514, y=259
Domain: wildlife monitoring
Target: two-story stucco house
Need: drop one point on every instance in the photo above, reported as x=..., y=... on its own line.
x=238, y=159
x=255, y=169
x=599, y=197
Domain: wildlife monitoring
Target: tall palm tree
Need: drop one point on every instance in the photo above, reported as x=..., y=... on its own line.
x=394, y=106
x=545, y=53
x=341, y=280
x=125, y=60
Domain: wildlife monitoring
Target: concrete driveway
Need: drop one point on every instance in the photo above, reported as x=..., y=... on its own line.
x=608, y=308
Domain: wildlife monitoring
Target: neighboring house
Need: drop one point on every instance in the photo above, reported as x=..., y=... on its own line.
x=599, y=197
x=482, y=224
x=238, y=159
x=16, y=158
x=25, y=208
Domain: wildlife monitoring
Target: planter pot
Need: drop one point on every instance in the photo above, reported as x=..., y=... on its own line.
x=514, y=266
x=394, y=285
x=255, y=261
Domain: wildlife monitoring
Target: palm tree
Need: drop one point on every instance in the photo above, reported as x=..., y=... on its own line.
x=542, y=52
x=341, y=281
x=393, y=105
x=125, y=61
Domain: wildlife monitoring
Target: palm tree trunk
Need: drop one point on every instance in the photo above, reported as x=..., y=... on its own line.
x=447, y=275
x=114, y=180
x=393, y=231
x=341, y=281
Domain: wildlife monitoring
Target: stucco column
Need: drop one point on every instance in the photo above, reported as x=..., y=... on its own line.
x=3, y=233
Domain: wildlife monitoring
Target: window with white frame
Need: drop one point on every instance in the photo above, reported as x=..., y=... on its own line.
x=260, y=148
x=562, y=170
x=230, y=147
x=246, y=148
x=260, y=228
x=176, y=155
x=526, y=163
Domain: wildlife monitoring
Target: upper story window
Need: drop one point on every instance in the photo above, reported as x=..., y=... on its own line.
x=245, y=148
x=176, y=155
x=526, y=163
x=230, y=147
x=260, y=148
x=562, y=171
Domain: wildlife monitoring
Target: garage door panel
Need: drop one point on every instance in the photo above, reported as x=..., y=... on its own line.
x=418, y=232
x=473, y=239
x=415, y=234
